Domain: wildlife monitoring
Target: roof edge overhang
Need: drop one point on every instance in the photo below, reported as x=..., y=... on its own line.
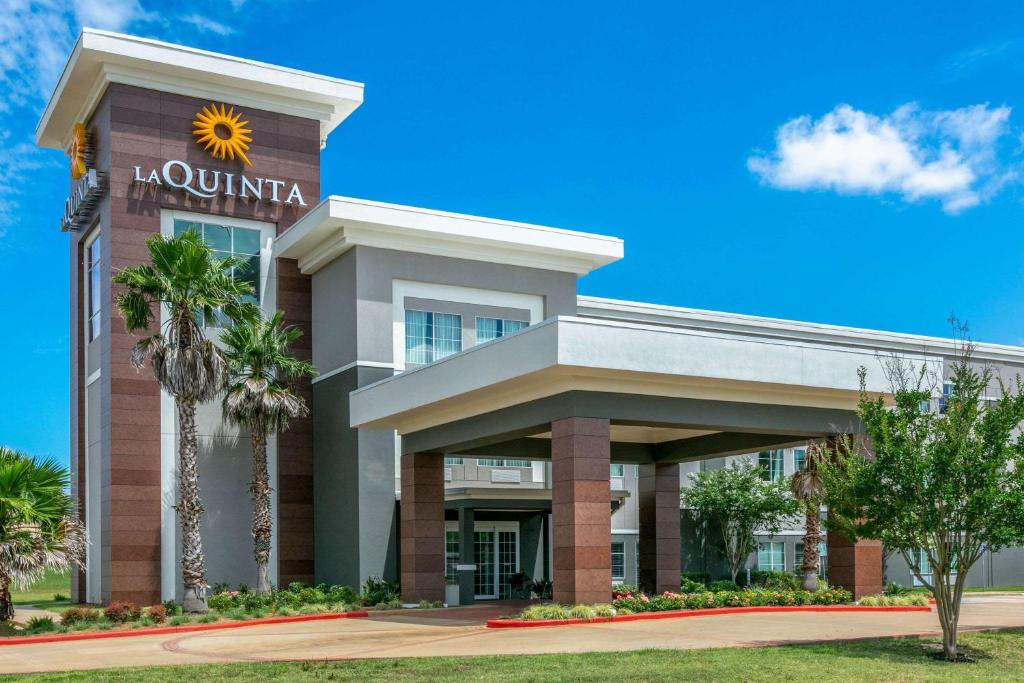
x=339, y=223
x=99, y=58
x=567, y=354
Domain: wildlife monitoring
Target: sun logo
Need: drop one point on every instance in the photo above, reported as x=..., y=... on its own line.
x=76, y=154
x=224, y=136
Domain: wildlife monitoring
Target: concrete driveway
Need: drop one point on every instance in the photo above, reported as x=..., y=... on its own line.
x=460, y=632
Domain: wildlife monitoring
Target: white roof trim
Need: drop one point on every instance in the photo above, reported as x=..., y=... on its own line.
x=339, y=223
x=759, y=326
x=102, y=57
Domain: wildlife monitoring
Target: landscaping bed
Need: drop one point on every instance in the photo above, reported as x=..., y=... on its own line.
x=630, y=604
x=228, y=609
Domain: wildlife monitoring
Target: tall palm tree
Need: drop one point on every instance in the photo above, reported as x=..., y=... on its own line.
x=191, y=284
x=39, y=528
x=261, y=399
x=806, y=486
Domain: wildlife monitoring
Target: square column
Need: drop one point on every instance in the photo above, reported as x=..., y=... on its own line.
x=422, y=528
x=581, y=510
x=660, y=563
x=857, y=567
x=467, y=556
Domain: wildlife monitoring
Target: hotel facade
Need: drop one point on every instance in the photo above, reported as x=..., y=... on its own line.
x=472, y=416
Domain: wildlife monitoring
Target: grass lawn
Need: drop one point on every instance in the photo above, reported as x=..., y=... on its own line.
x=1000, y=656
x=44, y=590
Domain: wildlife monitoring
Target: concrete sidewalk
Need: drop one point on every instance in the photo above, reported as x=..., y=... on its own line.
x=460, y=633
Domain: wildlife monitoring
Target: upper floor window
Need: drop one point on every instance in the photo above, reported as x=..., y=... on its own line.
x=452, y=460
x=771, y=463
x=228, y=240
x=799, y=459
x=431, y=336
x=618, y=470
x=93, y=271
x=492, y=328
x=492, y=462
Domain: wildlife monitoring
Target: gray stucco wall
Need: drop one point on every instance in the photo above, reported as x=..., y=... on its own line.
x=355, y=521
x=1003, y=568
x=354, y=470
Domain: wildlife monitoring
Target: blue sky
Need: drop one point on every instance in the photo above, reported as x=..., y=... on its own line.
x=860, y=168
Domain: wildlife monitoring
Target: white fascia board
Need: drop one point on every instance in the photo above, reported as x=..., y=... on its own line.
x=644, y=358
x=102, y=57
x=738, y=323
x=339, y=223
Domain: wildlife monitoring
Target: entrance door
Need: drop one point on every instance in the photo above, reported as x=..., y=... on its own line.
x=496, y=554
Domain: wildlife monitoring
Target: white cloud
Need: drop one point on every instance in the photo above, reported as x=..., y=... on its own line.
x=208, y=25
x=113, y=15
x=950, y=156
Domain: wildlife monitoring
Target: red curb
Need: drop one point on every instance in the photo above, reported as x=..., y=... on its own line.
x=65, y=637
x=682, y=614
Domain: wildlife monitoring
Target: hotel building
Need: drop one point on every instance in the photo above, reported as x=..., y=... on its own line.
x=472, y=415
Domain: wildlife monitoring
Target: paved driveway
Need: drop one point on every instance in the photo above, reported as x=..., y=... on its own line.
x=460, y=632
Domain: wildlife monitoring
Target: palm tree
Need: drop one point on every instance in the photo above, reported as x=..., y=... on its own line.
x=39, y=529
x=806, y=486
x=261, y=399
x=191, y=284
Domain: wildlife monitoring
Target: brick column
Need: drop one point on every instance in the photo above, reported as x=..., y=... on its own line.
x=857, y=567
x=422, y=515
x=581, y=510
x=660, y=562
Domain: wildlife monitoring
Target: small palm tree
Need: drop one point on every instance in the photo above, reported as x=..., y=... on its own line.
x=185, y=278
x=807, y=488
x=261, y=399
x=39, y=529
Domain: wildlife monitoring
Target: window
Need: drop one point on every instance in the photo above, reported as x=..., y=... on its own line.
x=618, y=561
x=492, y=462
x=799, y=459
x=431, y=336
x=451, y=557
x=226, y=240
x=492, y=328
x=93, y=274
x=771, y=557
x=947, y=393
x=452, y=460
x=618, y=470
x=771, y=465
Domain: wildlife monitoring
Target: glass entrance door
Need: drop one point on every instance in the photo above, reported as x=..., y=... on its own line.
x=496, y=554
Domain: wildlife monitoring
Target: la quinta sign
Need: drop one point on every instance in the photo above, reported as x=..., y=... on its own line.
x=203, y=183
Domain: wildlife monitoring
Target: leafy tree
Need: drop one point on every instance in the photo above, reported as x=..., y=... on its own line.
x=190, y=284
x=39, y=528
x=808, y=490
x=940, y=477
x=261, y=399
x=741, y=503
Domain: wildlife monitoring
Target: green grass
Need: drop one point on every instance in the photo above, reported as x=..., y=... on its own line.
x=1000, y=656
x=44, y=589
x=996, y=589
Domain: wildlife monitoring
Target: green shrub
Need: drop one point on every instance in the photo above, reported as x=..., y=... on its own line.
x=393, y=603
x=604, y=610
x=40, y=625
x=895, y=589
x=222, y=602
x=311, y=596
x=544, y=612
x=208, y=618
x=80, y=615
x=702, y=578
x=691, y=586
x=427, y=604
x=582, y=612
x=377, y=590
x=178, y=620
x=237, y=613
x=172, y=608
x=122, y=612
x=914, y=600
x=723, y=585
x=314, y=608
x=343, y=594
x=285, y=612
x=60, y=597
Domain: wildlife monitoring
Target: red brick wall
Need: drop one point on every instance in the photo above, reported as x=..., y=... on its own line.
x=138, y=127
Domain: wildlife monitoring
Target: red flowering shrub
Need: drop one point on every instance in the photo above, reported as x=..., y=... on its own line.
x=158, y=613
x=122, y=612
